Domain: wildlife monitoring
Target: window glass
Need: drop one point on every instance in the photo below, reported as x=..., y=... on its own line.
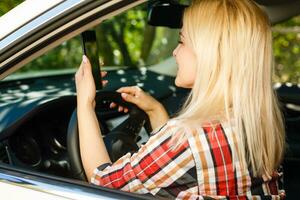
x=128, y=40
x=65, y=56
x=123, y=40
x=286, y=44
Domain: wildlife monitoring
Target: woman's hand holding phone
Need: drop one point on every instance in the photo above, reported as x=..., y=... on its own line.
x=85, y=85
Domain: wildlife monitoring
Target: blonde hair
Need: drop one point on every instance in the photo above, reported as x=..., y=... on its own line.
x=232, y=41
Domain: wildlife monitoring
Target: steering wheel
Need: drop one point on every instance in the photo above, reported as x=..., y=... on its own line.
x=119, y=141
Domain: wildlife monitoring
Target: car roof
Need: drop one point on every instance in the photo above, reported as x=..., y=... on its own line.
x=280, y=10
x=273, y=2
x=19, y=16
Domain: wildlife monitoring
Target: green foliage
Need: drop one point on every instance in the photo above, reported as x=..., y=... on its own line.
x=124, y=35
x=286, y=47
x=6, y=5
x=67, y=55
x=132, y=42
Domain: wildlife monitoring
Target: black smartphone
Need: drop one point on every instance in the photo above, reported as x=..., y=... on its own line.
x=90, y=49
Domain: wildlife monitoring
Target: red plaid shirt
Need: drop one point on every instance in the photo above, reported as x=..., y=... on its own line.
x=203, y=166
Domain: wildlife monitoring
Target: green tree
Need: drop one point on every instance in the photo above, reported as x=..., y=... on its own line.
x=126, y=39
x=286, y=45
x=6, y=5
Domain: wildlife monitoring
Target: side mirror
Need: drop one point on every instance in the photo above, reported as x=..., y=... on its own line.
x=166, y=13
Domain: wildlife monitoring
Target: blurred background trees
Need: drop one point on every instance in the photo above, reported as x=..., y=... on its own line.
x=286, y=45
x=6, y=5
x=127, y=40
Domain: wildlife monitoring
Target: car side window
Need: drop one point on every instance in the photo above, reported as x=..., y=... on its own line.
x=123, y=40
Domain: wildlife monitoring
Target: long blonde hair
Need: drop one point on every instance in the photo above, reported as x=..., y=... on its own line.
x=232, y=41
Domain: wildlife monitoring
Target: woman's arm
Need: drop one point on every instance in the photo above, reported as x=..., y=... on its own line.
x=92, y=148
x=155, y=168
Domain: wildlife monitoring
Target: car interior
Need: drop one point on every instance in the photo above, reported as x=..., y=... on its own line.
x=38, y=125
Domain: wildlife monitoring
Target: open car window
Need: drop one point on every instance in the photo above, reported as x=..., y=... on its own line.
x=125, y=40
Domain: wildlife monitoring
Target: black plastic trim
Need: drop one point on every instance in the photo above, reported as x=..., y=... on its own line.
x=274, y=2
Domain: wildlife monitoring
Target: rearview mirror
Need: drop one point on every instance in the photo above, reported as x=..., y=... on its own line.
x=166, y=13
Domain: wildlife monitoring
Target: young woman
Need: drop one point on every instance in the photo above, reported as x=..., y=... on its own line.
x=227, y=141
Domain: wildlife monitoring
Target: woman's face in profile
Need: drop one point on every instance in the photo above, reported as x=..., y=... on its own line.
x=186, y=61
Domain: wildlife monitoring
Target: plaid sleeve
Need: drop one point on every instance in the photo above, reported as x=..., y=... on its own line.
x=153, y=167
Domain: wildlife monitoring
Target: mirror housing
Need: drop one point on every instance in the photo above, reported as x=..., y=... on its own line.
x=167, y=13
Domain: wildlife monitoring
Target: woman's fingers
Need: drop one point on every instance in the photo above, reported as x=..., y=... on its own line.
x=103, y=73
x=133, y=90
x=104, y=82
x=120, y=108
x=86, y=65
x=83, y=68
x=112, y=105
x=129, y=98
x=130, y=94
